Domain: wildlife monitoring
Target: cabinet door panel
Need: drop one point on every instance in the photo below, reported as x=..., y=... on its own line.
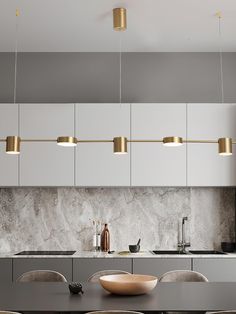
x=216, y=269
x=159, y=266
x=96, y=165
x=153, y=164
x=83, y=268
x=205, y=166
x=8, y=127
x=61, y=265
x=46, y=164
x=6, y=270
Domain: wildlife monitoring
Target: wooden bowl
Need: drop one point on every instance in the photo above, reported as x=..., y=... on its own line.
x=128, y=284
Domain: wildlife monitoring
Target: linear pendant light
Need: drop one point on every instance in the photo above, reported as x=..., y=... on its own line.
x=225, y=146
x=13, y=142
x=67, y=141
x=119, y=24
x=172, y=141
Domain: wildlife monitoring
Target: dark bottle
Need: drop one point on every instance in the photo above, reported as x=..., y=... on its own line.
x=105, y=239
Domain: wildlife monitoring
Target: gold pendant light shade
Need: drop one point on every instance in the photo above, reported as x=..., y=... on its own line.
x=225, y=146
x=67, y=141
x=120, y=145
x=119, y=19
x=172, y=141
x=13, y=145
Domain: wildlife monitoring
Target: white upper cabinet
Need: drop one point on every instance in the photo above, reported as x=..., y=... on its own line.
x=153, y=164
x=96, y=165
x=205, y=166
x=8, y=127
x=46, y=164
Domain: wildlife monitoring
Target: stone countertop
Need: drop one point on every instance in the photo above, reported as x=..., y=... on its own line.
x=144, y=254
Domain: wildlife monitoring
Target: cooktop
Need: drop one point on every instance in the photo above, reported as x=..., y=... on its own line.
x=46, y=253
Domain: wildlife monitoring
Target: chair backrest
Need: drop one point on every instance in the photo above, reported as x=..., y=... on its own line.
x=183, y=276
x=41, y=276
x=114, y=312
x=8, y=312
x=223, y=312
x=95, y=277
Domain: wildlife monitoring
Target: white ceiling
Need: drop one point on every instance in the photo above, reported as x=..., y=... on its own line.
x=86, y=25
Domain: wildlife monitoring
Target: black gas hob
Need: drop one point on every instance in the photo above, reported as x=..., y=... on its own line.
x=46, y=253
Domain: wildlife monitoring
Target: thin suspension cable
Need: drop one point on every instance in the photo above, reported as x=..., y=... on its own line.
x=120, y=69
x=221, y=57
x=16, y=55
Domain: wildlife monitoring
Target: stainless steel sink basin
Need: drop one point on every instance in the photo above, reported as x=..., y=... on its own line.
x=205, y=252
x=167, y=252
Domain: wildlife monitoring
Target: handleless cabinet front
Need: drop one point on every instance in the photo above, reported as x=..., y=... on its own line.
x=5, y=270
x=153, y=164
x=83, y=268
x=159, y=266
x=96, y=164
x=8, y=162
x=61, y=265
x=46, y=163
x=205, y=166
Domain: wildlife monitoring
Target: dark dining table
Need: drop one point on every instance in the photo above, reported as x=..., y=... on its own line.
x=55, y=297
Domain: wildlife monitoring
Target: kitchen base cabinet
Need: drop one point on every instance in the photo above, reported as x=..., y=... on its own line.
x=83, y=268
x=216, y=269
x=5, y=270
x=61, y=265
x=159, y=266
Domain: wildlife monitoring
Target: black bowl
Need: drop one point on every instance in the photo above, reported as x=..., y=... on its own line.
x=134, y=248
x=228, y=247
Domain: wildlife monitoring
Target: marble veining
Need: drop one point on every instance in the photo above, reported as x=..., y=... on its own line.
x=60, y=218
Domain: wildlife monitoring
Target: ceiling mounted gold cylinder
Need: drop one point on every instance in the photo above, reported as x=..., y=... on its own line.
x=120, y=145
x=13, y=145
x=172, y=141
x=225, y=146
x=67, y=141
x=119, y=19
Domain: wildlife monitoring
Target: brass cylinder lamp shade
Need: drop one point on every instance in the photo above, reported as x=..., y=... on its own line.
x=120, y=145
x=13, y=145
x=67, y=141
x=225, y=146
x=119, y=19
x=172, y=141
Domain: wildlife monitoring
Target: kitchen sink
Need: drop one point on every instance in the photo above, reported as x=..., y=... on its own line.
x=46, y=253
x=171, y=252
x=206, y=252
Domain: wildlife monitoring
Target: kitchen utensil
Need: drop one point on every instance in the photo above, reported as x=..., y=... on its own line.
x=134, y=248
x=228, y=247
x=130, y=284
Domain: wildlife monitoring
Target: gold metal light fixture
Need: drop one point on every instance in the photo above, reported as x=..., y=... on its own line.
x=67, y=141
x=13, y=145
x=225, y=146
x=119, y=19
x=120, y=145
x=172, y=141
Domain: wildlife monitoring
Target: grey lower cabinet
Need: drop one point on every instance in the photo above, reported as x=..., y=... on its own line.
x=5, y=270
x=61, y=265
x=216, y=269
x=83, y=268
x=159, y=266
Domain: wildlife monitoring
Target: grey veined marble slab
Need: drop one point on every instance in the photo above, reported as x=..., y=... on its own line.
x=60, y=218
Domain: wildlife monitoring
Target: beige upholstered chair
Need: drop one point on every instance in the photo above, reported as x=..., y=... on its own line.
x=223, y=312
x=95, y=277
x=183, y=276
x=114, y=312
x=41, y=276
x=8, y=312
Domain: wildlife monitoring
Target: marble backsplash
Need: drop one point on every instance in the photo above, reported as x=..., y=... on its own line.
x=59, y=218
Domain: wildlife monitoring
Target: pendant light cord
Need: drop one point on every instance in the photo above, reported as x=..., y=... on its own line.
x=16, y=55
x=221, y=58
x=120, y=69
